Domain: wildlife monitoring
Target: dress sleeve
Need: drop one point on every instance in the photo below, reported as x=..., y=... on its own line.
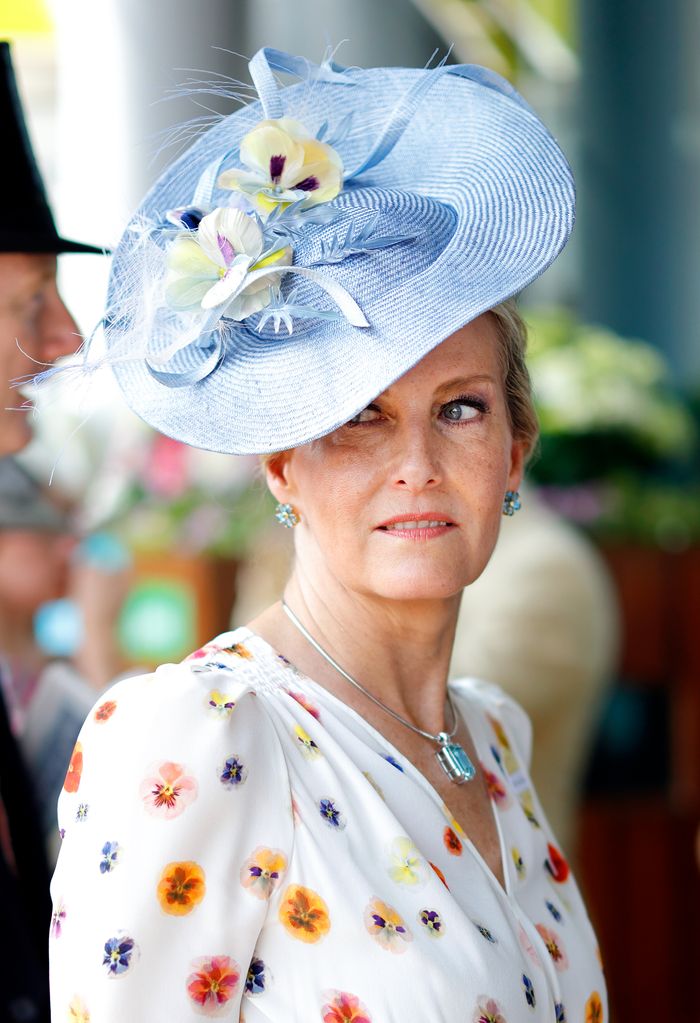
x=177, y=829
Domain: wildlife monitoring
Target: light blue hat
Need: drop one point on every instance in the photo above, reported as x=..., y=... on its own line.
x=313, y=246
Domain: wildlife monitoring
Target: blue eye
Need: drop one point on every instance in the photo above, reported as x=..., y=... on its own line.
x=462, y=410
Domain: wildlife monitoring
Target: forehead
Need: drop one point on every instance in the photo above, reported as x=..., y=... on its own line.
x=23, y=271
x=471, y=352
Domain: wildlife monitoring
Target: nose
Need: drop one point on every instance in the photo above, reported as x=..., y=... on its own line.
x=59, y=332
x=417, y=464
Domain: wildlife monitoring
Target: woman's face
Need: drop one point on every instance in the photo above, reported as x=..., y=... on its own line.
x=436, y=447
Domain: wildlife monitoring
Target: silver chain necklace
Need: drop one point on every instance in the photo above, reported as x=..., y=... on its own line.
x=451, y=756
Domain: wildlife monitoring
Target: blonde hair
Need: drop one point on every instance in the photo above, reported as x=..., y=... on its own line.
x=512, y=339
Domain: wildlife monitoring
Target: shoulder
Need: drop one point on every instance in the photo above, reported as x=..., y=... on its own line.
x=501, y=709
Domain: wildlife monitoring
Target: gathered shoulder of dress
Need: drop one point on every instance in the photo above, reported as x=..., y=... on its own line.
x=240, y=844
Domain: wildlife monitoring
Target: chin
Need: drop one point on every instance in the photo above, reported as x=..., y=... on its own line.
x=421, y=585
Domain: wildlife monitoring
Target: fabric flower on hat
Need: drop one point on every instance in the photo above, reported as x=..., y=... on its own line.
x=285, y=164
x=208, y=267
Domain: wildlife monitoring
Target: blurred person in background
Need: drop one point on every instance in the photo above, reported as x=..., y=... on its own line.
x=34, y=324
x=302, y=820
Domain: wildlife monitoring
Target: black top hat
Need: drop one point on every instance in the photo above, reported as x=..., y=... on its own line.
x=26, y=224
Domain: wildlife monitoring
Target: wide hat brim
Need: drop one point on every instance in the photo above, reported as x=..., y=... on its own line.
x=492, y=198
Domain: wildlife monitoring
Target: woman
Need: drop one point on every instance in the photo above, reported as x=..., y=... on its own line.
x=301, y=821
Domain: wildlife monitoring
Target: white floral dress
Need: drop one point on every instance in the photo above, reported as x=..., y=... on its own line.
x=240, y=844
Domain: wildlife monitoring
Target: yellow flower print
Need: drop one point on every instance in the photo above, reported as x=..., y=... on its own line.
x=594, y=1009
x=306, y=744
x=262, y=871
x=304, y=914
x=77, y=1011
x=406, y=865
x=386, y=926
x=518, y=862
x=181, y=888
x=220, y=703
x=239, y=650
x=528, y=805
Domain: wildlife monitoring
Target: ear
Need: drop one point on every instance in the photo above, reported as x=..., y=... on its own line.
x=278, y=477
x=517, y=463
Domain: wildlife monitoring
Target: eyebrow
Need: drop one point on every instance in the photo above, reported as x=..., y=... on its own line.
x=476, y=378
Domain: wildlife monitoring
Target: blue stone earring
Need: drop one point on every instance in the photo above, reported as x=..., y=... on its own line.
x=286, y=515
x=511, y=502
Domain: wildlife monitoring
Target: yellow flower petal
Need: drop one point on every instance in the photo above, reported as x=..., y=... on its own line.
x=266, y=141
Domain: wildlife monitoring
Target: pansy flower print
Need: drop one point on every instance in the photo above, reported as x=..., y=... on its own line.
x=554, y=946
x=255, y=978
x=508, y=758
x=527, y=947
x=82, y=812
x=167, y=790
x=220, y=703
x=594, y=1009
x=527, y=803
x=432, y=921
x=78, y=1011
x=105, y=711
x=488, y=1011
x=306, y=703
x=529, y=990
x=212, y=984
x=233, y=772
x=559, y=1013
x=75, y=770
x=57, y=917
x=110, y=857
x=343, y=1007
x=440, y=874
x=262, y=871
x=181, y=887
x=518, y=862
x=394, y=762
x=386, y=926
x=306, y=744
x=304, y=914
x=119, y=955
x=406, y=865
x=330, y=814
x=452, y=842
x=556, y=865
x=238, y=650
x=485, y=933
x=496, y=789
x=554, y=911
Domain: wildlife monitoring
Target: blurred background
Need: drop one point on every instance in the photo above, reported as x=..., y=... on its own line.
x=599, y=636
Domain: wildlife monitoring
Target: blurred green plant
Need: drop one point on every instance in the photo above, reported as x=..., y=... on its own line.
x=619, y=443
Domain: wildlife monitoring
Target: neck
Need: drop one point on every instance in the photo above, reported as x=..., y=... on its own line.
x=399, y=650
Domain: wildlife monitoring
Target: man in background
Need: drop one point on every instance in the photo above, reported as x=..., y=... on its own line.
x=34, y=324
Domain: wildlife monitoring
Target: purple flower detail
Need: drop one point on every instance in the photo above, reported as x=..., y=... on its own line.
x=559, y=1013
x=255, y=981
x=308, y=184
x=529, y=990
x=110, y=855
x=233, y=772
x=430, y=919
x=393, y=761
x=117, y=955
x=57, y=918
x=330, y=813
x=226, y=249
x=553, y=910
x=188, y=217
x=277, y=167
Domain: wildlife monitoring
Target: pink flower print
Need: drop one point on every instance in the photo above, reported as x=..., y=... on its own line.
x=496, y=789
x=167, y=791
x=554, y=946
x=488, y=1011
x=342, y=1007
x=212, y=984
x=57, y=918
x=527, y=947
x=306, y=703
x=262, y=871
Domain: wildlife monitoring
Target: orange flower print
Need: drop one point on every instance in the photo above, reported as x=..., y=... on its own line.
x=452, y=842
x=181, y=888
x=556, y=865
x=77, y=1011
x=406, y=865
x=75, y=770
x=212, y=984
x=440, y=875
x=167, y=791
x=386, y=926
x=342, y=1007
x=304, y=914
x=554, y=946
x=262, y=871
x=488, y=1011
x=238, y=650
x=105, y=710
x=594, y=1009
x=496, y=789
x=306, y=744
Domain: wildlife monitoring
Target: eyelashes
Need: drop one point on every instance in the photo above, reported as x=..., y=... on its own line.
x=474, y=401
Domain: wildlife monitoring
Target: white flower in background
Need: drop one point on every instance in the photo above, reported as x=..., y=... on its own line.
x=285, y=164
x=208, y=267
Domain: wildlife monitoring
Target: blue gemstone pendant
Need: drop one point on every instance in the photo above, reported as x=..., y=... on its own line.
x=454, y=761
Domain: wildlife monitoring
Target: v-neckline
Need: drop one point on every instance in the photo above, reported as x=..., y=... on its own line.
x=504, y=889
